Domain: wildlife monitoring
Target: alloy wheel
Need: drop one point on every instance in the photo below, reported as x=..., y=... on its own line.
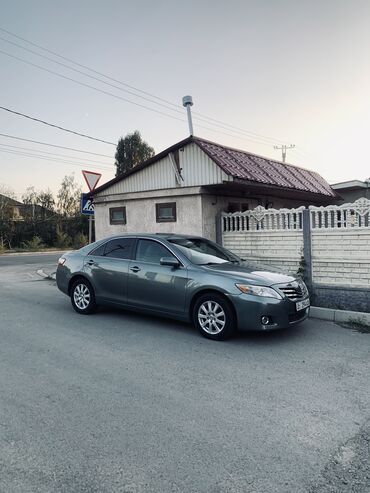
x=81, y=296
x=211, y=317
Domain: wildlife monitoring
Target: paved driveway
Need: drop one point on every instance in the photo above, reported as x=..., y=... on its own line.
x=119, y=402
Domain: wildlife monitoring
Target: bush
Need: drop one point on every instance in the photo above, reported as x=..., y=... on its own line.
x=35, y=243
x=79, y=241
x=62, y=240
x=2, y=246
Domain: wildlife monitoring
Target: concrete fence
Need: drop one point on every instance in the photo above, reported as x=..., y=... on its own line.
x=330, y=244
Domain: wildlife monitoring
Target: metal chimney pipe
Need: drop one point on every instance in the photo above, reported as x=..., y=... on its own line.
x=187, y=101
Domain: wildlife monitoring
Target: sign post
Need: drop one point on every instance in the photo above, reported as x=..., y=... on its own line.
x=87, y=205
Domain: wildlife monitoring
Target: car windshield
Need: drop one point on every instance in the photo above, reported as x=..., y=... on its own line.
x=204, y=252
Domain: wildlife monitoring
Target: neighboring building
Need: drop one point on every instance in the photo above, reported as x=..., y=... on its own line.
x=10, y=208
x=18, y=211
x=350, y=191
x=184, y=188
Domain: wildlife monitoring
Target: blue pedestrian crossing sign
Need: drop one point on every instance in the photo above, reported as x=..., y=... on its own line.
x=87, y=205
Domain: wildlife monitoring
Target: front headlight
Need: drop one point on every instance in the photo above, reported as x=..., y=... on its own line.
x=259, y=291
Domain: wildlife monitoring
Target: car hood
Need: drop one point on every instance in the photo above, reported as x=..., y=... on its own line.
x=252, y=272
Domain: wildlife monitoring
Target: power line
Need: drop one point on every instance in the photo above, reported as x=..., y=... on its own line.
x=24, y=154
x=114, y=96
x=178, y=109
x=54, y=145
x=55, y=126
x=90, y=76
x=90, y=87
x=54, y=154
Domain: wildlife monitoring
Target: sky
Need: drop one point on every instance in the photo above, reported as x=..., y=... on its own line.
x=270, y=72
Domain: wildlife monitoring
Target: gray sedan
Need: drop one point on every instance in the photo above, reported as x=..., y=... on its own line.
x=185, y=277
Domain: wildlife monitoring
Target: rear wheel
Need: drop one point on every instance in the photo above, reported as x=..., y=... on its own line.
x=214, y=317
x=82, y=297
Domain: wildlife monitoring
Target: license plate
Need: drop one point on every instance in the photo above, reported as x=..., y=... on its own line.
x=301, y=305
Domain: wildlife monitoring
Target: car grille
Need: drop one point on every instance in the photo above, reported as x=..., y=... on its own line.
x=294, y=290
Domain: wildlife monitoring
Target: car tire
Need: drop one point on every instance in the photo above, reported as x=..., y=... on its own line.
x=83, y=297
x=214, y=317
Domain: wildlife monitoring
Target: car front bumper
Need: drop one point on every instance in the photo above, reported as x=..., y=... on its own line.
x=281, y=313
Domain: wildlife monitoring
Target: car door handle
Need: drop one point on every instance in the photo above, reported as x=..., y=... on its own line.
x=135, y=268
x=90, y=262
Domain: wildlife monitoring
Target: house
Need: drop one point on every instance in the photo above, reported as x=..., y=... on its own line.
x=13, y=210
x=10, y=208
x=184, y=188
x=352, y=190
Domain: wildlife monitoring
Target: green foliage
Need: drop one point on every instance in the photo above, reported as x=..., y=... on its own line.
x=62, y=239
x=35, y=244
x=79, y=241
x=131, y=151
x=37, y=217
x=69, y=197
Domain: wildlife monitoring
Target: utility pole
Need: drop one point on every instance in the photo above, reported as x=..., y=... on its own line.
x=283, y=149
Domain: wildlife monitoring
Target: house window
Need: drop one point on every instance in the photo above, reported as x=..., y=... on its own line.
x=117, y=215
x=166, y=212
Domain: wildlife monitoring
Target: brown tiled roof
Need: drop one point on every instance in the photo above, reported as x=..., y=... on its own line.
x=247, y=166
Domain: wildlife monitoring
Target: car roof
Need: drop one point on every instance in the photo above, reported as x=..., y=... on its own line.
x=165, y=236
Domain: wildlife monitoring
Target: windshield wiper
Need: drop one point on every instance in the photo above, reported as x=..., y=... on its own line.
x=212, y=263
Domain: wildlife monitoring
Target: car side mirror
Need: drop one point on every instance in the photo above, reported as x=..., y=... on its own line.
x=170, y=261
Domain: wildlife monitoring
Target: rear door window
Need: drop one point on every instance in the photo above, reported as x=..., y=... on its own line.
x=121, y=248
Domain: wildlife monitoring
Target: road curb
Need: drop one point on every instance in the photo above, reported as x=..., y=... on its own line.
x=49, y=252
x=334, y=315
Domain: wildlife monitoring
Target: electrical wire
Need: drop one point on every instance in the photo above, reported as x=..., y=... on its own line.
x=54, y=154
x=177, y=107
x=54, y=145
x=91, y=87
x=55, y=126
x=24, y=154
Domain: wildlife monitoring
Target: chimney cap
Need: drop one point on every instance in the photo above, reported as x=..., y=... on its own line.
x=187, y=100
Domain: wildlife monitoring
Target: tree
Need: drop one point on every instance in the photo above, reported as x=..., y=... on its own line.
x=7, y=229
x=131, y=151
x=69, y=197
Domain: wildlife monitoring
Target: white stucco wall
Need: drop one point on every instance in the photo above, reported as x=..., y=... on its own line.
x=141, y=216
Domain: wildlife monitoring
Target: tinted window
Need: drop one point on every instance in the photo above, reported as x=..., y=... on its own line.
x=119, y=248
x=99, y=251
x=151, y=251
x=203, y=252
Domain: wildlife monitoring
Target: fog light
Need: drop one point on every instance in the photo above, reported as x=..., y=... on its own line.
x=265, y=320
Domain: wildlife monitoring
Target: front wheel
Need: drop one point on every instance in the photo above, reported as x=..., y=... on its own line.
x=82, y=297
x=214, y=317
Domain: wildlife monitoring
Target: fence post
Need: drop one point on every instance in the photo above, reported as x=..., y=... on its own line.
x=219, y=228
x=307, y=248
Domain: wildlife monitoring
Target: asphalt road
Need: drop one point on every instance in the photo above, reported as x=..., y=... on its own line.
x=29, y=259
x=119, y=402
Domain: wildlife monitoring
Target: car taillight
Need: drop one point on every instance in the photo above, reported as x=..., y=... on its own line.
x=61, y=261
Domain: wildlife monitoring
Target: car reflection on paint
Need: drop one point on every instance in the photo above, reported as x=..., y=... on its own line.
x=184, y=277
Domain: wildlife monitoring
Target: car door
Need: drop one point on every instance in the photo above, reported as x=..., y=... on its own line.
x=107, y=268
x=152, y=285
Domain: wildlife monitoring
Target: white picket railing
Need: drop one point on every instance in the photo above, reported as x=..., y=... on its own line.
x=261, y=219
x=348, y=216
